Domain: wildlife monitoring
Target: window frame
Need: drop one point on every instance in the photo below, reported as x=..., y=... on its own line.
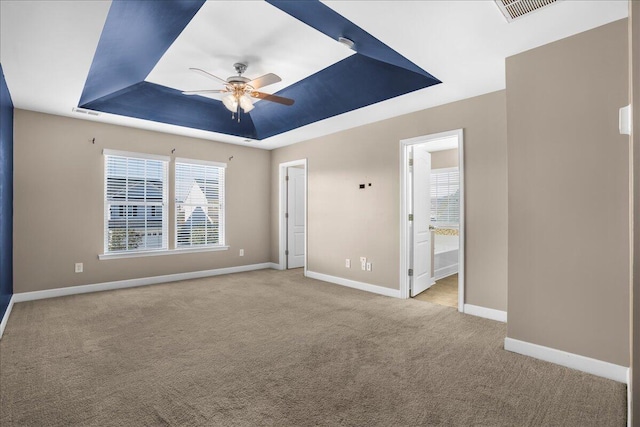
x=221, y=245
x=164, y=204
x=168, y=188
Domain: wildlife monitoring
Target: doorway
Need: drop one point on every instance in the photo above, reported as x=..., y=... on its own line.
x=432, y=218
x=293, y=215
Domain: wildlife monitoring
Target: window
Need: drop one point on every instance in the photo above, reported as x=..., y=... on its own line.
x=199, y=203
x=445, y=196
x=135, y=202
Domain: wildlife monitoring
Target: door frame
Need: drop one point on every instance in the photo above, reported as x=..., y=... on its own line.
x=405, y=241
x=282, y=224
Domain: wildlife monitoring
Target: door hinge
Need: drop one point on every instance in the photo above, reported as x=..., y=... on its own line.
x=410, y=217
x=410, y=162
x=411, y=272
x=286, y=252
x=286, y=178
x=286, y=215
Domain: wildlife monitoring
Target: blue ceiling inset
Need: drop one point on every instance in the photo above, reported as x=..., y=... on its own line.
x=334, y=25
x=135, y=36
x=162, y=104
x=138, y=33
x=352, y=83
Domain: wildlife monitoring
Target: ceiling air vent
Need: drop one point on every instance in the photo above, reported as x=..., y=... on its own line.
x=84, y=111
x=514, y=9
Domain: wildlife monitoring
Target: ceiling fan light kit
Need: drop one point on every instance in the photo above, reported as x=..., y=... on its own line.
x=246, y=104
x=230, y=102
x=239, y=90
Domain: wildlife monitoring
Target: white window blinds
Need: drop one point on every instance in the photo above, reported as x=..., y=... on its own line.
x=445, y=196
x=199, y=203
x=135, y=202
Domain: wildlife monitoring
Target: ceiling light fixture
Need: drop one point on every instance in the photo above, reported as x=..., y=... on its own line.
x=237, y=99
x=246, y=104
x=230, y=101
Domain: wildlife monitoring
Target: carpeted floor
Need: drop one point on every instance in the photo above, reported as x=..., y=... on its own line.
x=273, y=348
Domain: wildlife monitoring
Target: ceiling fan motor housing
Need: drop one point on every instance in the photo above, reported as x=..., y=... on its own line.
x=237, y=80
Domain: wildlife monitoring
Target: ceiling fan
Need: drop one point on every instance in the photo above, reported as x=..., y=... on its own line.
x=239, y=90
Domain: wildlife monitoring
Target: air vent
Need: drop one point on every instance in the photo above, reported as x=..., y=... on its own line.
x=83, y=111
x=514, y=9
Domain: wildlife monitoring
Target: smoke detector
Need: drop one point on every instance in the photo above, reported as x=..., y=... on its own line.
x=514, y=9
x=348, y=43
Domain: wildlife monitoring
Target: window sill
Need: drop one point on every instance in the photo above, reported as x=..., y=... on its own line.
x=161, y=252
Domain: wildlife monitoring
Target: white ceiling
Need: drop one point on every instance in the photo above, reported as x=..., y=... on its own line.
x=46, y=49
x=265, y=47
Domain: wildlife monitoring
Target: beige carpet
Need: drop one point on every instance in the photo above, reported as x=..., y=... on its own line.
x=273, y=348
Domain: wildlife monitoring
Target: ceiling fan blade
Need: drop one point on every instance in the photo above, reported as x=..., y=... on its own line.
x=262, y=81
x=200, y=92
x=272, y=98
x=211, y=76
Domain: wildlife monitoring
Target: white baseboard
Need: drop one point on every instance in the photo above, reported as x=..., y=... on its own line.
x=120, y=284
x=570, y=360
x=5, y=317
x=355, y=284
x=629, y=401
x=275, y=266
x=443, y=272
x=488, y=313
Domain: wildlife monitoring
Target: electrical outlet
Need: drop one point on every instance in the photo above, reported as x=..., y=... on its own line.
x=347, y=263
x=79, y=267
x=363, y=263
x=241, y=252
x=368, y=266
x=363, y=259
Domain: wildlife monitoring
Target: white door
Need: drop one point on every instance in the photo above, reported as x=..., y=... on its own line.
x=421, y=235
x=295, y=217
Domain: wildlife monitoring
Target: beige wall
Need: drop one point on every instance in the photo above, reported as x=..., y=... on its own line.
x=444, y=159
x=59, y=207
x=568, y=195
x=347, y=222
